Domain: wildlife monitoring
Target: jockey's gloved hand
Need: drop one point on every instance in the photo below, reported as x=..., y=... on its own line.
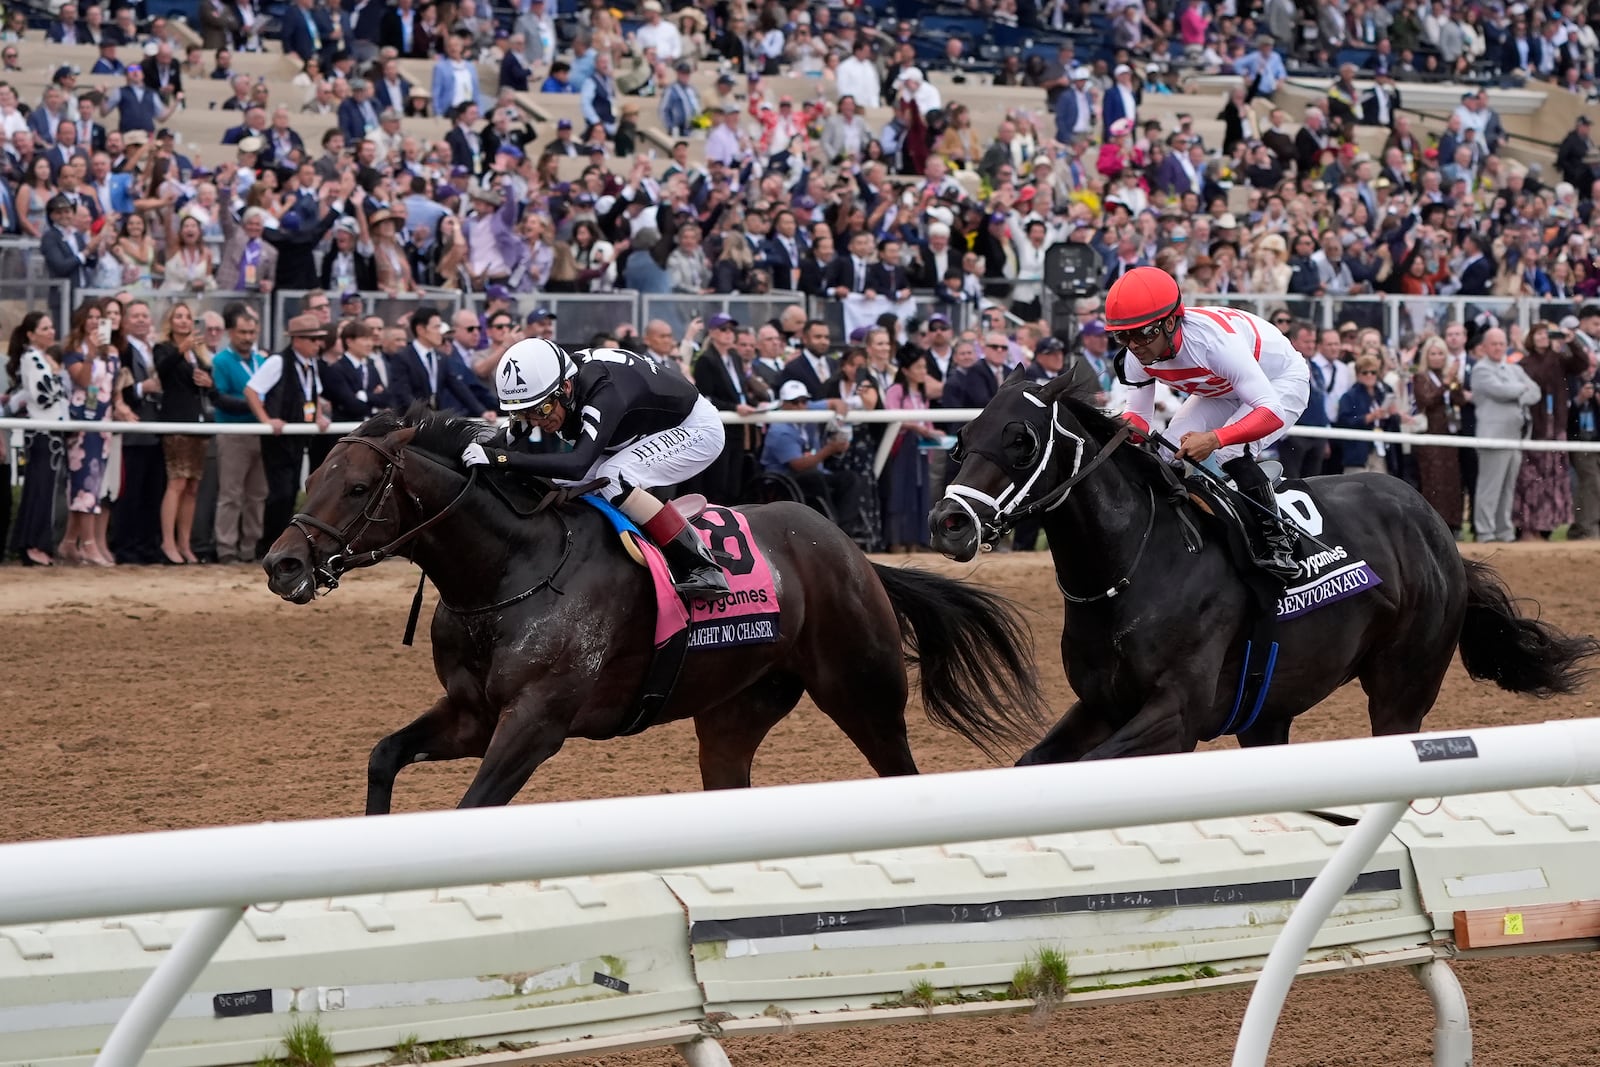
x=474, y=456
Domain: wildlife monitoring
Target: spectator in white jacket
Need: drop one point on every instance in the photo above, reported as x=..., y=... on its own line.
x=858, y=76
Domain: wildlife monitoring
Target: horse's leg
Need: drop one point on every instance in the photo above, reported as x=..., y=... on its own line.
x=443, y=732
x=1401, y=688
x=1079, y=731
x=730, y=732
x=1157, y=729
x=864, y=693
x=526, y=735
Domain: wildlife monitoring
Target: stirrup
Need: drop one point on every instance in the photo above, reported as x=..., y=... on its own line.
x=703, y=583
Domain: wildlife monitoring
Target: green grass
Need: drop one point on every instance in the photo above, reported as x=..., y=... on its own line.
x=411, y=1049
x=304, y=1045
x=1044, y=977
x=923, y=994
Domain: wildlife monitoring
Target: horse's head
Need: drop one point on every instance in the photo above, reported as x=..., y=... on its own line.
x=352, y=509
x=1019, y=457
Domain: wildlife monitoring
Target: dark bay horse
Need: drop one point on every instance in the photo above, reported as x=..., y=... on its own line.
x=545, y=626
x=1154, y=637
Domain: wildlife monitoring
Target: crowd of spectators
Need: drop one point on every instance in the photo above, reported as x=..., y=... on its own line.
x=877, y=183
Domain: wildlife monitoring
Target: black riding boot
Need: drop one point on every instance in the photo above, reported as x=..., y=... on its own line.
x=1278, y=537
x=694, y=573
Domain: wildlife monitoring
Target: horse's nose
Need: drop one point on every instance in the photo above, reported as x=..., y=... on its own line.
x=953, y=532
x=283, y=566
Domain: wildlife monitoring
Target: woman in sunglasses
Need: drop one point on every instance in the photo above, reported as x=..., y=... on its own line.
x=627, y=419
x=1246, y=385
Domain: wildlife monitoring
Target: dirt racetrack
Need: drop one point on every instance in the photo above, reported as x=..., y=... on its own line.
x=154, y=698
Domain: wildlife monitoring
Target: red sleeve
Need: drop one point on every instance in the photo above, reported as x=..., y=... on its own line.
x=1252, y=427
x=1134, y=419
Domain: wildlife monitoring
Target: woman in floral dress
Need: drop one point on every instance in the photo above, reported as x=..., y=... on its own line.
x=91, y=365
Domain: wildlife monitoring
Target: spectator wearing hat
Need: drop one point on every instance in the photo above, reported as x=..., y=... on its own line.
x=1121, y=99
x=680, y=104
x=107, y=62
x=348, y=265
x=358, y=112
x=286, y=390
x=722, y=378
x=726, y=143
x=658, y=33
x=798, y=450
x=68, y=253
x=1262, y=68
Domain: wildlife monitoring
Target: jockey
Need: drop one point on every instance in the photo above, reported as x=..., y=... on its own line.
x=1246, y=384
x=628, y=420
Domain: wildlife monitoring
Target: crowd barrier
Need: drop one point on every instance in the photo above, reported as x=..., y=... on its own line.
x=394, y=310
x=1398, y=317
x=1148, y=876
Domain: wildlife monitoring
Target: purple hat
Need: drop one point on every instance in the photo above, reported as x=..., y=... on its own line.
x=998, y=216
x=540, y=315
x=497, y=292
x=755, y=76
x=349, y=295
x=460, y=172
x=938, y=316
x=725, y=79
x=1093, y=328
x=446, y=191
x=858, y=334
x=509, y=149
x=564, y=124
x=721, y=319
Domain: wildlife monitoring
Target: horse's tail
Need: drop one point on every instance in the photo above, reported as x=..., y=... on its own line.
x=1501, y=645
x=975, y=655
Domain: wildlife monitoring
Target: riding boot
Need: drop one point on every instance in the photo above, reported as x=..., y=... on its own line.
x=695, y=573
x=1278, y=537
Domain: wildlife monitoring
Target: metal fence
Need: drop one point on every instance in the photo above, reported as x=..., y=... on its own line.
x=579, y=316
x=287, y=303
x=1399, y=317
x=679, y=309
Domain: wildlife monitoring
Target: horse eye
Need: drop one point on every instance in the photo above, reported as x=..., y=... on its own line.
x=358, y=490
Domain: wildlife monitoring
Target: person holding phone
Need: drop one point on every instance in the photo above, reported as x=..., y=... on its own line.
x=1362, y=407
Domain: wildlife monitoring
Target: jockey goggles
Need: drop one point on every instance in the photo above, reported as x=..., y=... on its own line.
x=1138, y=335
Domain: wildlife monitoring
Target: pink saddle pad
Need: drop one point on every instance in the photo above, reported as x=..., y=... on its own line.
x=748, y=617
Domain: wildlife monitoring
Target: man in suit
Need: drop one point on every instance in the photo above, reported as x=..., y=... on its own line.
x=65, y=29
x=358, y=112
x=1477, y=269
x=784, y=250
x=462, y=343
x=91, y=135
x=935, y=259
x=50, y=113
x=392, y=91
x=848, y=274
x=722, y=378
x=420, y=372
x=466, y=143
x=136, y=523
x=402, y=31
x=887, y=277
x=307, y=31
x=1378, y=107
x=163, y=73
x=286, y=391
x=1121, y=101
x=455, y=78
x=67, y=254
x=219, y=21
x=845, y=134
x=248, y=261
x=975, y=386
x=813, y=366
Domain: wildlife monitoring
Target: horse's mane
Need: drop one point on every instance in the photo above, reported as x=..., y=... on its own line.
x=440, y=434
x=1142, y=464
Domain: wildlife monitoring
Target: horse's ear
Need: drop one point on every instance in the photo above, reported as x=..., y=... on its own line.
x=1016, y=378
x=1056, y=388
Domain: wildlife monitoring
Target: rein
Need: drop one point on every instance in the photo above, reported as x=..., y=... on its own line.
x=328, y=571
x=1127, y=579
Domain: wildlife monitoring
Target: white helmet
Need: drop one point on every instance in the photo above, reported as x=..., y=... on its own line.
x=530, y=372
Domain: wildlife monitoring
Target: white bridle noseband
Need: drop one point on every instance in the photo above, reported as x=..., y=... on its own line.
x=1016, y=495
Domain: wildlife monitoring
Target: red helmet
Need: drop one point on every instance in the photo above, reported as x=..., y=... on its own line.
x=1142, y=296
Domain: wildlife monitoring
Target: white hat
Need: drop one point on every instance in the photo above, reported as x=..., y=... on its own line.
x=1122, y=68
x=1080, y=74
x=908, y=74
x=1226, y=221
x=793, y=390
x=941, y=216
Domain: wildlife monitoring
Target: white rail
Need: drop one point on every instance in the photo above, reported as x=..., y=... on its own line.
x=224, y=869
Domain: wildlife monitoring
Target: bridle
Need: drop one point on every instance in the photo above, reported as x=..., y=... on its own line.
x=326, y=571
x=1013, y=504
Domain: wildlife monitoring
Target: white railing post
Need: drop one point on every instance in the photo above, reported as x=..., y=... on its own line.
x=161, y=992
x=1452, y=1028
x=1266, y=1000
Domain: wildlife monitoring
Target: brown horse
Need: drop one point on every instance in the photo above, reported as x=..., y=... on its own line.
x=545, y=627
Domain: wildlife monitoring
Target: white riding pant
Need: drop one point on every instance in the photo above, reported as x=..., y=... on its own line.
x=1200, y=413
x=664, y=458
